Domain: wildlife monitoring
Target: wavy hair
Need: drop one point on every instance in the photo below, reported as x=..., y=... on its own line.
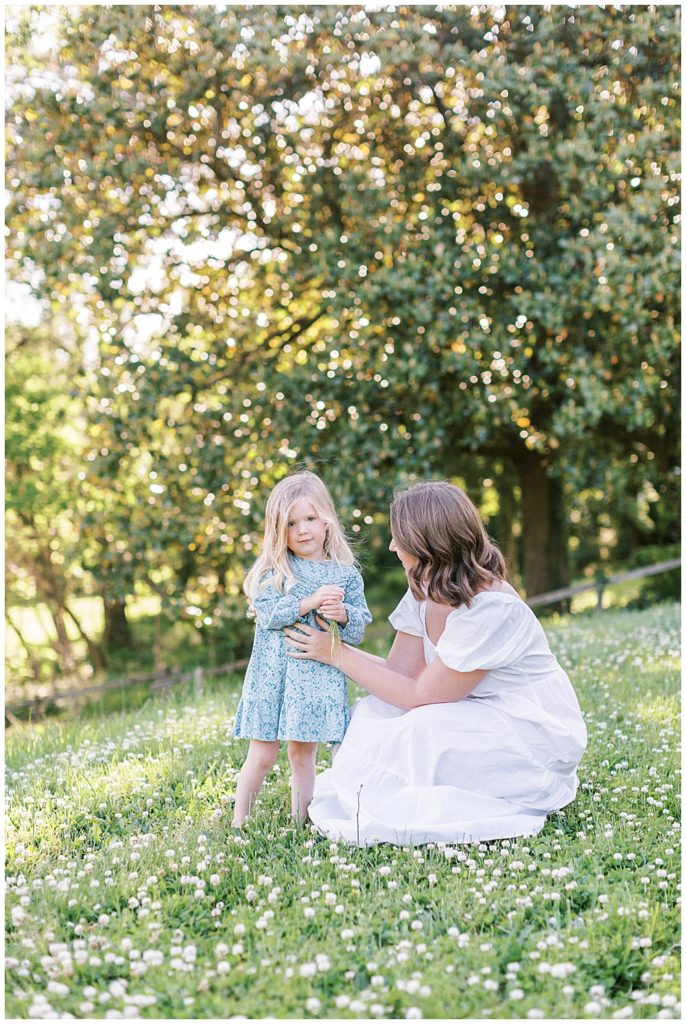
x=438, y=525
x=273, y=565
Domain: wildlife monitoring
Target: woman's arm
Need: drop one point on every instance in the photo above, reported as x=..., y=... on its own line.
x=406, y=655
x=434, y=684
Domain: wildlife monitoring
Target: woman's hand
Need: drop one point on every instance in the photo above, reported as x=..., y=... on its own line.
x=314, y=644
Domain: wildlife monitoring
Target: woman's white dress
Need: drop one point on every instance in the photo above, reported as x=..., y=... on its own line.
x=490, y=766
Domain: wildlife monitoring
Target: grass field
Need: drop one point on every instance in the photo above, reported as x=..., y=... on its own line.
x=129, y=896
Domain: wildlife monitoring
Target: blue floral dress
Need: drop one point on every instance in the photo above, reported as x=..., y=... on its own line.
x=291, y=698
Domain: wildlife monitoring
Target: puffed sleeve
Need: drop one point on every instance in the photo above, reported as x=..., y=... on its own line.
x=406, y=617
x=355, y=605
x=274, y=610
x=493, y=633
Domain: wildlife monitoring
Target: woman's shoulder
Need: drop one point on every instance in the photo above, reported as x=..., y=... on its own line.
x=407, y=616
x=500, y=607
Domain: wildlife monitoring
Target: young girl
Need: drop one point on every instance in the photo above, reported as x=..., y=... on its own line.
x=306, y=568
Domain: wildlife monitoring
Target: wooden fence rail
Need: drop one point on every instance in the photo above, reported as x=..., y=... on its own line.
x=158, y=681
x=167, y=678
x=601, y=582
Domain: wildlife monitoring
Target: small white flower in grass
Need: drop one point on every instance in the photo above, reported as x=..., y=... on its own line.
x=342, y=1002
x=562, y=970
x=223, y=967
x=413, y=1013
x=416, y=926
x=309, y=912
x=237, y=948
x=357, y=1006
x=239, y=929
x=313, y=1005
x=307, y=970
x=535, y=1014
x=18, y=915
x=516, y=994
x=347, y=934
x=57, y=988
x=593, y=1008
x=626, y=1011
x=117, y=988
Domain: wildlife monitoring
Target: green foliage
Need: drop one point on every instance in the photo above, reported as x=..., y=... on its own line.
x=663, y=587
x=124, y=880
x=380, y=244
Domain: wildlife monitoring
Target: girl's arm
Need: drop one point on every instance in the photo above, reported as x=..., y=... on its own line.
x=356, y=609
x=433, y=684
x=274, y=610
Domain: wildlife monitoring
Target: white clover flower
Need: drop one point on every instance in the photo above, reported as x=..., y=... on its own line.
x=307, y=970
x=562, y=970
x=413, y=1013
x=57, y=988
x=223, y=967
x=313, y=1005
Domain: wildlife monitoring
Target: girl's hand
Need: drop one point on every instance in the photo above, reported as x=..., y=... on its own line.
x=334, y=610
x=327, y=592
x=315, y=644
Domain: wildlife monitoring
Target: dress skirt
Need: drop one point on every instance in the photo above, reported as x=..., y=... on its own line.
x=458, y=772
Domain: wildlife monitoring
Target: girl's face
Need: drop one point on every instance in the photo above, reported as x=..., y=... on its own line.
x=407, y=559
x=306, y=531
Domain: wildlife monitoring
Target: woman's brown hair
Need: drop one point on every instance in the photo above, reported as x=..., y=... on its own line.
x=441, y=528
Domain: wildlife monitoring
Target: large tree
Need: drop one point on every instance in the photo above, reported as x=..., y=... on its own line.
x=383, y=243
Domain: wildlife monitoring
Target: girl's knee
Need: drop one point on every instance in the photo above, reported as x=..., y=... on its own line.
x=301, y=754
x=262, y=755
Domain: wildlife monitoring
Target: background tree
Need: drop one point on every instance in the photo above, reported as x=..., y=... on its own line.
x=427, y=241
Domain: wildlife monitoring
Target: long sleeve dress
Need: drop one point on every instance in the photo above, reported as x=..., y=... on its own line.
x=298, y=699
x=490, y=766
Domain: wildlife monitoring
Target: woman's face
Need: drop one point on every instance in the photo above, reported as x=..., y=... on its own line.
x=408, y=560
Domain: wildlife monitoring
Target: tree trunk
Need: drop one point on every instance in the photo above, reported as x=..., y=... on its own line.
x=544, y=528
x=117, y=630
x=96, y=655
x=506, y=533
x=65, y=653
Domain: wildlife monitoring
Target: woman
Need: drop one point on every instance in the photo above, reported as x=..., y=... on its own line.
x=473, y=731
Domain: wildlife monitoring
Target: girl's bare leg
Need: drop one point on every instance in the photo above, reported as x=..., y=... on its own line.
x=302, y=757
x=262, y=755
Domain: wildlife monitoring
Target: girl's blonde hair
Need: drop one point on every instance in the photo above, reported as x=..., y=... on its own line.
x=441, y=528
x=272, y=564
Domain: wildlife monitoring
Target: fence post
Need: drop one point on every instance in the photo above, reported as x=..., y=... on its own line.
x=198, y=681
